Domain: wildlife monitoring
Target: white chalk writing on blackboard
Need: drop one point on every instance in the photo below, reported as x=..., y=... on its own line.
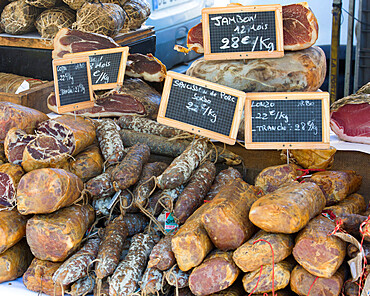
x=98, y=64
x=73, y=89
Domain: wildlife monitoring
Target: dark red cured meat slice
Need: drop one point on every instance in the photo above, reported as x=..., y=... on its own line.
x=6, y=189
x=195, y=36
x=15, y=142
x=300, y=27
x=351, y=123
x=64, y=139
x=141, y=63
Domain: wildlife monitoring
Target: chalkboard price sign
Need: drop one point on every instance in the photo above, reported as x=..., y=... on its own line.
x=107, y=66
x=72, y=82
x=287, y=120
x=201, y=107
x=243, y=32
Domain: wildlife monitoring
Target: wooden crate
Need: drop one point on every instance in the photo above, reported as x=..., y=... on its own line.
x=34, y=98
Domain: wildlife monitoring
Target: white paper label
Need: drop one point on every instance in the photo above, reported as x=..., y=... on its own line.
x=23, y=87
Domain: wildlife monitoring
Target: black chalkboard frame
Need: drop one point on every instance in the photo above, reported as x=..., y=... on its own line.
x=324, y=97
x=122, y=67
x=89, y=103
x=231, y=137
x=235, y=9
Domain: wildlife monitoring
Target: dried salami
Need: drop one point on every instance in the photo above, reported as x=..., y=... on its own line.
x=256, y=251
x=75, y=132
x=165, y=198
x=82, y=286
x=162, y=256
x=126, y=277
x=151, y=282
x=352, y=204
x=288, y=209
x=87, y=164
x=57, y=235
x=127, y=173
x=181, y=168
x=320, y=253
x=222, y=178
x=10, y=175
x=101, y=186
x=110, y=141
x=177, y=278
x=56, y=189
x=135, y=223
x=15, y=142
x=194, y=192
x=217, y=272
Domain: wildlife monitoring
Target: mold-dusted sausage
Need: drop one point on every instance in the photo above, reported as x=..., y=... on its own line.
x=226, y=219
x=194, y=192
x=222, y=178
x=10, y=175
x=15, y=142
x=128, y=273
x=15, y=261
x=254, y=253
x=318, y=252
x=301, y=281
x=176, y=277
x=352, y=204
x=82, y=286
x=104, y=289
x=101, y=186
x=57, y=235
x=288, y=209
x=75, y=132
x=127, y=173
x=141, y=190
x=13, y=115
x=165, y=198
x=148, y=126
x=38, y=277
x=56, y=188
x=282, y=272
x=110, y=141
x=216, y=273
x=274, y=177
x=191, y=243
x=151, y=282
x=181, y=168
x=87, y=164
x=162, y=256
x=336, y=185
x=12, y=228
x=76, y=266
x=110, y=248
x=135, y=223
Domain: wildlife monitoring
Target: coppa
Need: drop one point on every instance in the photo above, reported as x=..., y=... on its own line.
x=237, y=19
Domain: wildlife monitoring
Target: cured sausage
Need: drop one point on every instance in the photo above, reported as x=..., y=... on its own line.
x=256, y=252
x=318, y=252
x=128, y=273
x=75, y=132
x=281, y=273
x=110, y=141
x=226, y=219
x=336, y=185
x=12, y=228
x=38, y=277
x=147, y=126
x=15, y=142
x=216, y=273
x=352, y=204
x=162, y=256
x=320, y=159
x=10, y=175
x=87, y=164
x=82, y=286
x=222, y=178
x=24, y=118
x=151, y=282
x=127, y=173
x=351, y=223
x=165, y=197
x=15, y=261
x=101, y=186
x=181, y=168
x=194, y=192
x=135, y=223
x=302, y=282
x=57, y=235
x=274, y=177
x=177, y=278
x=110, y=248
x=288, y=209
x=143, y=188
x=56, y=188
x=75, y=267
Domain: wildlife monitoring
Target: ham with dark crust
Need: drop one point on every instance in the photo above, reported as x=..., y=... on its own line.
x=134, y=97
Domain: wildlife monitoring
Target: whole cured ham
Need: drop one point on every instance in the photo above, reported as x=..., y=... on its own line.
x=300, y=26
x=350, y=117
x=135, y=97
x=302, y=70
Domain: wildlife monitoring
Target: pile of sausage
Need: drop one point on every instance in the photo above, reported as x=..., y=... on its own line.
x=86, y=207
